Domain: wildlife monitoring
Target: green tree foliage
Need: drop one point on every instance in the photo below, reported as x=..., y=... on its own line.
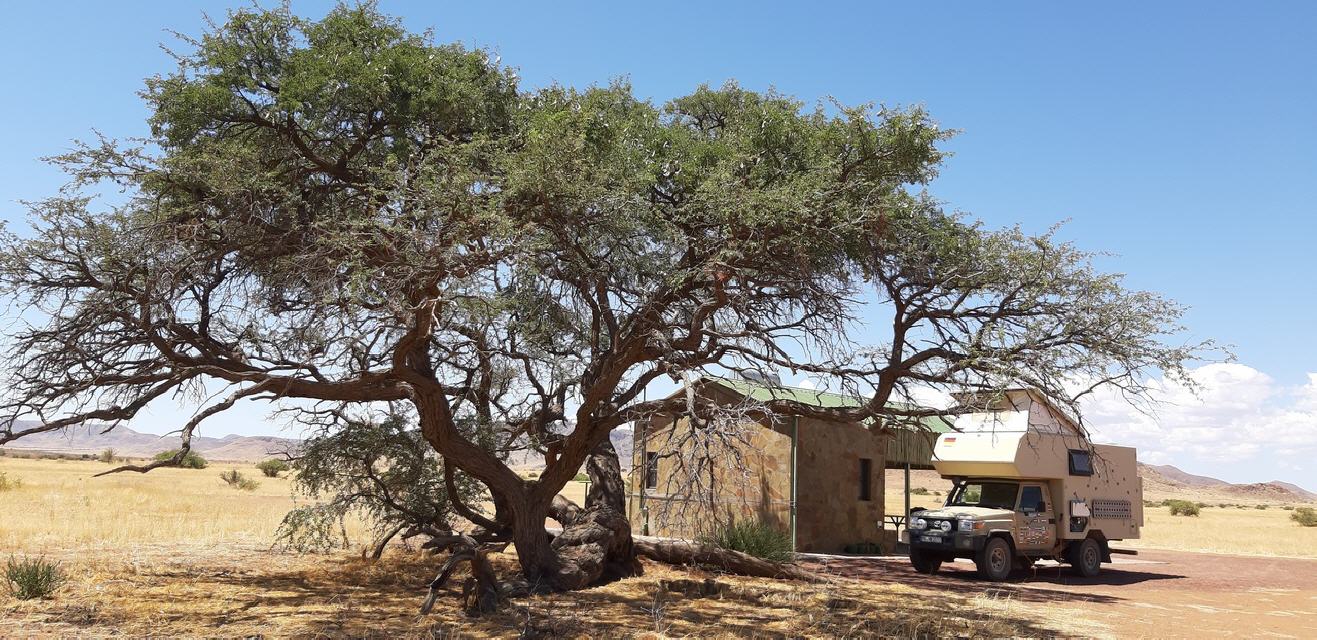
x=1305, y=516
x=381, y=471
x=190, y=460
x=338, y=211
x=1182, y=508
x=272, y=467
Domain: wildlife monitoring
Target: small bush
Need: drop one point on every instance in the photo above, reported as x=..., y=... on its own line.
x=1241, y=506
x=1202, y=505
x=273, y=467
x=919, y=491
x=755, y=538
x=1223, y=505
x=190, y=461
x=1261, y=507
x=108, y=456
x=31, y=578
x=1288, y=507
x=582, y=477
x=235, y=479
x=7, y=483
x=1182, y=508
x=1305, y=516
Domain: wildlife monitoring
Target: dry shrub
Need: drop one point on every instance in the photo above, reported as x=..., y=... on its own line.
x=237, y=480
x=32, y=578
x=9, y=484
x=1305, y=516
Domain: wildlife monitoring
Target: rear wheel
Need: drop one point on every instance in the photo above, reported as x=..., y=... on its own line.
x=995, y=560
x=1086, y=558
x=924, y=562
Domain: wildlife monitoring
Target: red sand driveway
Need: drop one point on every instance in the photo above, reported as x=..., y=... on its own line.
x=1156, y=594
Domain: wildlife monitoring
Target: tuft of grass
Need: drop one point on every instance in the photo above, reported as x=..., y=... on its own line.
x=1305, y=516
x=190, y=461
x=759, y=539
x=272, y=467
x=108, y=456
x=32, y=578
x=919, y=491
x=237, y=480
x=1183, y=508
x=9, y=484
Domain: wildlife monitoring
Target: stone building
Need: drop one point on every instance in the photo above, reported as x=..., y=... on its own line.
x=819, y=480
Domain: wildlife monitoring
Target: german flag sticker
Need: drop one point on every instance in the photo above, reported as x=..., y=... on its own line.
x=949, y=441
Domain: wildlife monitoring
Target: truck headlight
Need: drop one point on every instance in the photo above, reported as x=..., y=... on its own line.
x=945, y=525
x=969, y=525
x=919, y=523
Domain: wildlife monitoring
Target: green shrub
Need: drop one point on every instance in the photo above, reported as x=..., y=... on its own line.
x=1305, y=516
x=190, y=461
x=919, y=491
x=272, y=467
x=1182, y=508
x=235, y=479
x=1202, y=505
x=582, y=477
x=31, y=578
x=1288, y=507
x=107, y=456
x=759, y=539
x=7, y=483
x=1261, y=507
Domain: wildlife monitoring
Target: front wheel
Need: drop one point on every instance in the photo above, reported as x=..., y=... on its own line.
x=1086, y=558
x=995, y=560
x=924, y=562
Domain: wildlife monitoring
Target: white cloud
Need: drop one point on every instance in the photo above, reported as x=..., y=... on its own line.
x=1239, y=416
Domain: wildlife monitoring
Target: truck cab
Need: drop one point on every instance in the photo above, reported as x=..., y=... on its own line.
x=1030, y=487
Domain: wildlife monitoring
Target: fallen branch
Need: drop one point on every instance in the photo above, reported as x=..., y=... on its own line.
x=685, y=553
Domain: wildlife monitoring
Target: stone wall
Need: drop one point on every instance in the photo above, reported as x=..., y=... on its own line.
x=831, y=514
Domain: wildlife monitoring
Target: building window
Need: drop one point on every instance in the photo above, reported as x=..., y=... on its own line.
x=651, y=470
x=1081, y=464
x=866, y=479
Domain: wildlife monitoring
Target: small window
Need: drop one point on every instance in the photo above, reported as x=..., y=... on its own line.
x=651, y=470
x=1031, y=499
x=866, y=479
x=1080, y=463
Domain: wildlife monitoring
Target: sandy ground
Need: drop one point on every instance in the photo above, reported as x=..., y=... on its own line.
x=1158, y=594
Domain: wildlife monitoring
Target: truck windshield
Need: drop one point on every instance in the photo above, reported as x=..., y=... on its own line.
x=996, y=495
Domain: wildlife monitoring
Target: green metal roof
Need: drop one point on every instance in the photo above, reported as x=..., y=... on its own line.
x=823, y=399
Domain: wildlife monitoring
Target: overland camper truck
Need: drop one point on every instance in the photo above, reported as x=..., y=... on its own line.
x=1027, y=486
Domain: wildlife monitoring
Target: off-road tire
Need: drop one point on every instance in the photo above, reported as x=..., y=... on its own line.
x=996, y=560
x=1086, y=558
x=924, y=562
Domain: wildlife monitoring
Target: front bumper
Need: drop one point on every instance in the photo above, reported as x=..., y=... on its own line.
x=954, y=542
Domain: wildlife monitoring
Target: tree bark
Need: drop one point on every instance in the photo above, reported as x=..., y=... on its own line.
x=682, y=552
x=595, y=543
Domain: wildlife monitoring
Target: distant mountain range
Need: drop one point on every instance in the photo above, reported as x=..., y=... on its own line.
x=135, y=444
x=1169, y=478
x=88, y=440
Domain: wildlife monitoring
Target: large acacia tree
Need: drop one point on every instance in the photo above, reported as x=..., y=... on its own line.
x=346, y=216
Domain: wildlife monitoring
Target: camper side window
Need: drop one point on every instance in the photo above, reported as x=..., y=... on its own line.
x=1080, y=463
x=651, y=470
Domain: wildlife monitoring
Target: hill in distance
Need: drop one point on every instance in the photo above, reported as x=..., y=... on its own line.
x=135, y=444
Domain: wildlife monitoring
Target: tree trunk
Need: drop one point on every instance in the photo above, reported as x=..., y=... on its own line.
x=681, y=552
x=595, y=544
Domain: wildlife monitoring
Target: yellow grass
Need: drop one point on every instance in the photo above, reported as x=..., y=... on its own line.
x=1250, y=531
x=60, y=505
x=178, y=553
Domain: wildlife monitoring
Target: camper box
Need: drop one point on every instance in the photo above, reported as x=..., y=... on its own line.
x=1092, y=487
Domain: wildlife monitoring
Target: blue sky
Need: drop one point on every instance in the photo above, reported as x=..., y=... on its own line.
x=1181, y=137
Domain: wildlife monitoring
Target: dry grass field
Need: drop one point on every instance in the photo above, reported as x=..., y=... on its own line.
x=178, y=553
